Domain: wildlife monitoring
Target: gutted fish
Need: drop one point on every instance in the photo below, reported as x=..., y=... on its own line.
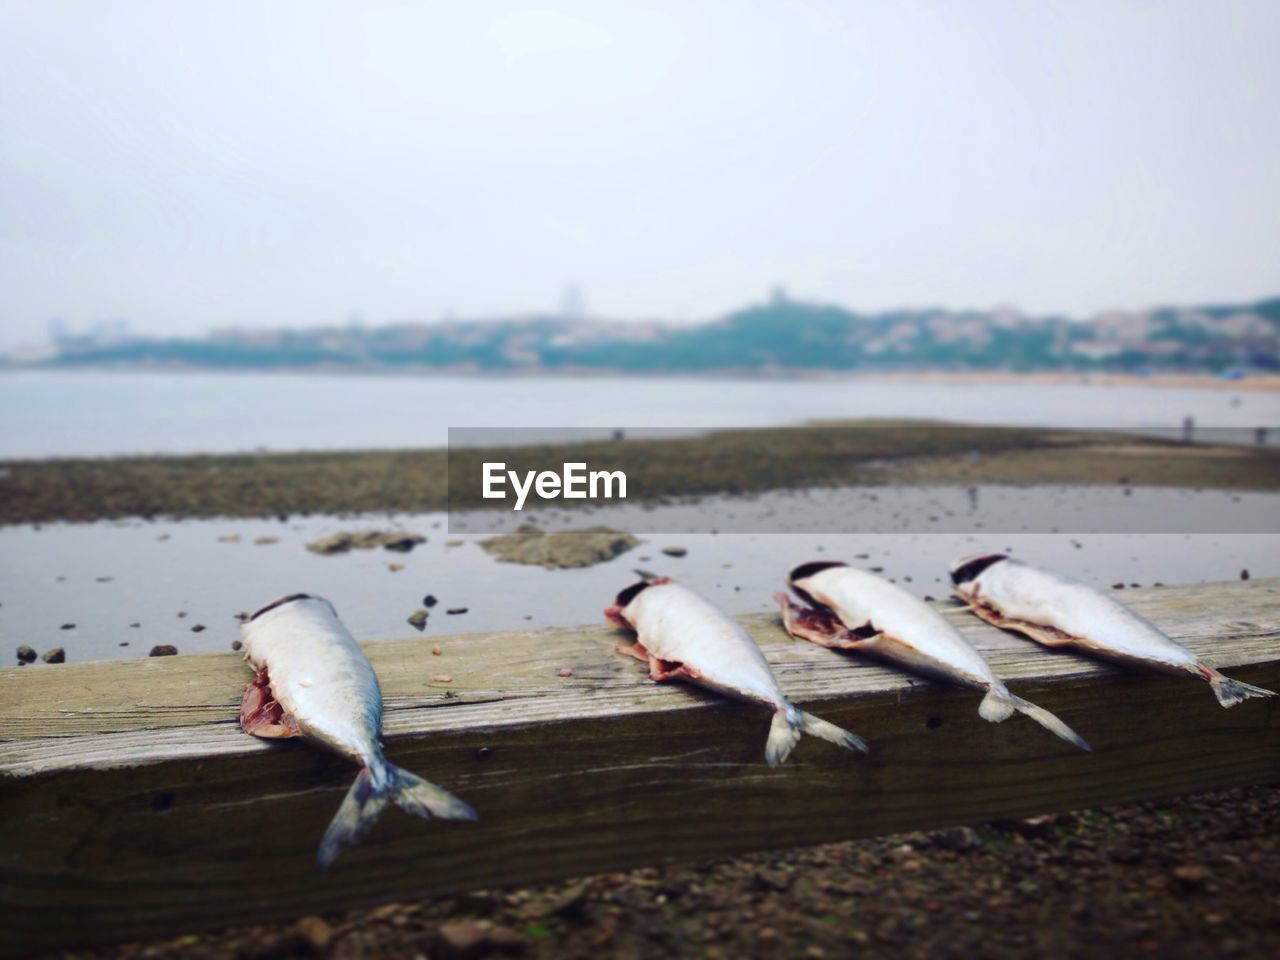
x=314, y=681
x=683, y=637
x=851, y=609
x=1059, y=612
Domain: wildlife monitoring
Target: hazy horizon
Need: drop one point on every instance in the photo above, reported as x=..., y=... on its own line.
x=190, y=167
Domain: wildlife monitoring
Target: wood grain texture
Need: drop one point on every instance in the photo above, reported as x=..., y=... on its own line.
x=132, y=804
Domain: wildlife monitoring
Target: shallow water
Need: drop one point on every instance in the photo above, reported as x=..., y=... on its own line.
x=103, y=578
x=97, y=413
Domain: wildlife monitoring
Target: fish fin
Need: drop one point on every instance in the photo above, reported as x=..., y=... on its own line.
x=995, y=706
x=359, y=809
x=1041, y=634
x=805, y=623
x=422, y=797
x=261, y=714
x=662, y=670
x=783, y=736
x=789, y=723
x=1047, y=720
x=368, y=797
x=636, y=650
x=817, y=727
x=1230, y=692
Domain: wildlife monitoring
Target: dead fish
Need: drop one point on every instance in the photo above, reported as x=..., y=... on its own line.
x=682, y=636
x=851, y=609
x=1060, y=612
x=314, y=681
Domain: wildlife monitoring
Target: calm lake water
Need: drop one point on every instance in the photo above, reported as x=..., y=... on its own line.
x=92, y=413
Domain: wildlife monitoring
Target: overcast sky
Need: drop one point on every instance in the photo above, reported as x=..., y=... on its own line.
x=189, y=165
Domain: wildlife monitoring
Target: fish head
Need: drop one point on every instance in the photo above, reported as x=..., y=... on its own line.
x=800, y=576
x=966, y=570
x=616, y=612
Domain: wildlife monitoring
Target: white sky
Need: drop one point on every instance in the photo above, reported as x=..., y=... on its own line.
x=188, y=165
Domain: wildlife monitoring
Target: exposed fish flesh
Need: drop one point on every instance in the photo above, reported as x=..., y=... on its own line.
x=1060, y=612
x=314, y=681
x=851, y=609
x=682, y=636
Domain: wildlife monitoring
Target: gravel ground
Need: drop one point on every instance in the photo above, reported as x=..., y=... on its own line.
x=1197, y=877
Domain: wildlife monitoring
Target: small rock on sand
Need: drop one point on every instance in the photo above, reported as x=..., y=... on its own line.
x=236, y=645
x=455, y=611
x=197, y=628
x=565, y=672
x=230, y=538
x=395, y=567
x=67, y=626
x=316, y=932
x=400, y=541
x=561, y=550
x=436, y=651
x=676, y=551
x=163, y=650
x=1244, y=574
x=264, y=541
x=441, y=678
x=26, y=654
x=56, y=655
x=418, y=620
x=429, y=601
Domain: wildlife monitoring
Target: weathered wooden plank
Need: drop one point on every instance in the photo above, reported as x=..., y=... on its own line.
x=133, y=805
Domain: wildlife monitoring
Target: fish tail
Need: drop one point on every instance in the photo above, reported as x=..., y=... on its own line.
x=789, y=723
x=1230, y=692
x=374, y=787
x=360, y=808
x=422, y=797
x=784, y=734
x=1046, y=719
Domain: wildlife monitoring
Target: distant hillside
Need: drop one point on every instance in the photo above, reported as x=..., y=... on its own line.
x=782, y=335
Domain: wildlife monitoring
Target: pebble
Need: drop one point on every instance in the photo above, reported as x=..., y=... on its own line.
x=316, y=932
x=197, y=628
x=418, y=620
x=676, y=551
x=436, y=651
x=67, y=626
x=429, y=601
x=264, y=541
x=236, y=645
x=163, y=650
x=462, y=939
x=956, y=838
x=26, y=654
x=565, y=672
x=1191, y=874
x=454, y=611
x=1244, y=574
x=395, y=567
x=56, y=655
x=442, y=678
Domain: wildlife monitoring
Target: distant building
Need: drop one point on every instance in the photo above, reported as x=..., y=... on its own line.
x=573, y=305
